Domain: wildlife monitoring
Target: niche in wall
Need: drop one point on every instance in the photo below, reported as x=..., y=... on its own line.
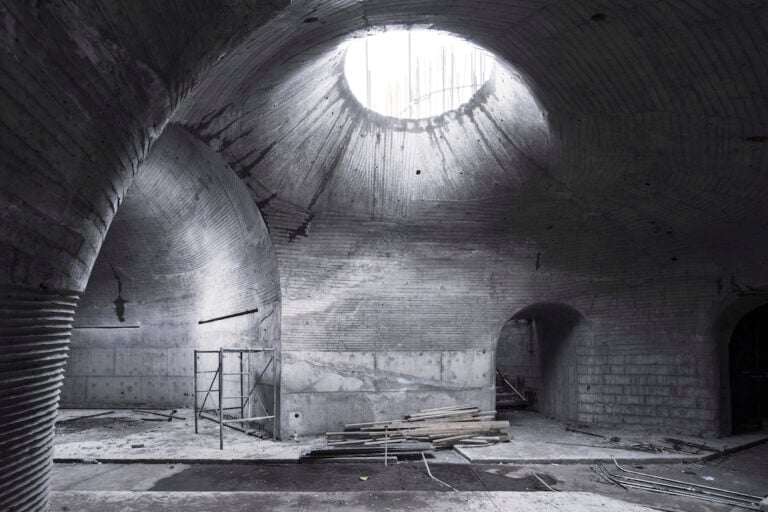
x=538, y=352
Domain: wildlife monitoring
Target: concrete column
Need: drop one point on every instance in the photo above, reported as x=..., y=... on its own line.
x=35, y=327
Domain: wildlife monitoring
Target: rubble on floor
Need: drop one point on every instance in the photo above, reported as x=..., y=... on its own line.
x=426, y=430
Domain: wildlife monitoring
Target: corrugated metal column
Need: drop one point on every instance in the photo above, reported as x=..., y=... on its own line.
x=35, y=327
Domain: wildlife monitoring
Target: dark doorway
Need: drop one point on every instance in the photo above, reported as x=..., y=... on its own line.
x=748, y=356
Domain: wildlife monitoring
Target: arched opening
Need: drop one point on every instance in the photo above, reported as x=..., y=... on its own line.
x=748, y=372
x=537, y=352
x=187, y=264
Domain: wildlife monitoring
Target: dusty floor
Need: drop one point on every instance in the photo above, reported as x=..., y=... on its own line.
x=108, y=462
x=745, y=471
x=125, y=435
x=338, y=502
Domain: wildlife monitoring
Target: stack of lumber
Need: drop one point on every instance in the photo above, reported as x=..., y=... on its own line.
x=427, y=429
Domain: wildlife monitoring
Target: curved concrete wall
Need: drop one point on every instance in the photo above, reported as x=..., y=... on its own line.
x=187, y=245
x=86, y=89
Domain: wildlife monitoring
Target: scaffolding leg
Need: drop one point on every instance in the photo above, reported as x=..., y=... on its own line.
x=194, y=398
x=242, y=404
x=221, y=399
x=274, y=398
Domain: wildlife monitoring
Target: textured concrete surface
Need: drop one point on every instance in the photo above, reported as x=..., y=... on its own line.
x=350, y=501
x=633, y=192
x=323, y=390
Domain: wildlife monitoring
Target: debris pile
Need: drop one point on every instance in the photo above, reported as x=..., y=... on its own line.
x=428, y=429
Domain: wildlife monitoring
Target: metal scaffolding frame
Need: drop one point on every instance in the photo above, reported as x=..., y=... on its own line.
x=244, y=375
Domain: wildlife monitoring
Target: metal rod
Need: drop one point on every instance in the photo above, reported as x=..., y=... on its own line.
x=386, y=445
x=682, y=488
x=712, y=499
x=195, y=395
x=216, y=351
x=609, y=476
x=221, y=396
x=213, y=380
x=432, y=477
x=241, y=420
x=65, y=420
x=225, y=317
x=160, y=414
x=758, y=498
x=258, y=379
x=505, y=381
x=537, y=477
x=274, y=399
x=228, y=425
x=242, y=405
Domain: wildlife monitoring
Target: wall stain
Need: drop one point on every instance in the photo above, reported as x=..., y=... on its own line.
x=293, y=234
x=264, y=202
x=119, y=302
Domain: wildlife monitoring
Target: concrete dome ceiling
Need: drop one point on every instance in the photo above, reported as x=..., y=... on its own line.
x=633, y=126
x=299, y=135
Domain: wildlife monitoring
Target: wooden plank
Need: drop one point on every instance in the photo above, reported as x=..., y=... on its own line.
x=448, y=408
x=412, y=417
x=479, y=425
x=451, y=438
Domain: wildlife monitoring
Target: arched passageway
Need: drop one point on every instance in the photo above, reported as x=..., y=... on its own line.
x=538, y=352
x=748, y=365
x=187, y=263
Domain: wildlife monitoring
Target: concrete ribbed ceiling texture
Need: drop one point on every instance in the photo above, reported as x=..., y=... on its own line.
x=641, y=127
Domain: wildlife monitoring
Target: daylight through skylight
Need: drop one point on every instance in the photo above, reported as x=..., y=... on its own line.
x=415, y=74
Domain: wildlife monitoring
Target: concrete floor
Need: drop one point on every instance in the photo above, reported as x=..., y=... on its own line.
x=745, y=471
x=128, y=436
x=125, y=436
x=171, y=468
x=344, y=502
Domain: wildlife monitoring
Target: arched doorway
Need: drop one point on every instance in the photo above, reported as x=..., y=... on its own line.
x=748, y=371
x=537, y=351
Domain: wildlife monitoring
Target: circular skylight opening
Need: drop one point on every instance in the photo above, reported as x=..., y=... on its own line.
x=413, y=74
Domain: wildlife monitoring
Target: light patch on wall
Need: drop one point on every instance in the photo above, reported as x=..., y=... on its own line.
x=414, y=74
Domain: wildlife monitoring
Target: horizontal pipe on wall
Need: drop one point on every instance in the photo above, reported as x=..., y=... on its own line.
x=247, y=312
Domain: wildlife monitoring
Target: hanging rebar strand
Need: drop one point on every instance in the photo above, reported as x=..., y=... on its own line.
x=453, y=77
x=442, y=61
x=429, y=87
x=410, y=85
x=367, y=76
x=415, y=99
